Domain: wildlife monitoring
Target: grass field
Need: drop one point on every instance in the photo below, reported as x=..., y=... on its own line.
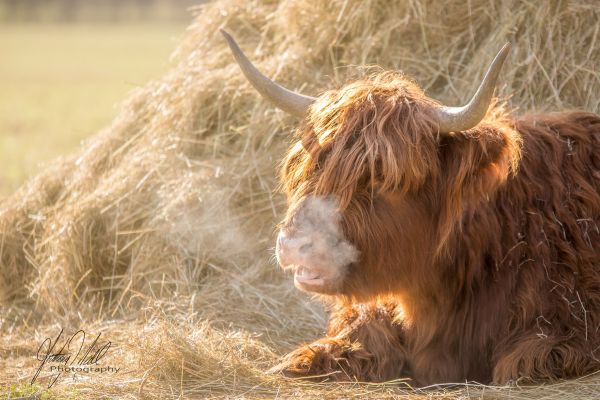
x=61, y=83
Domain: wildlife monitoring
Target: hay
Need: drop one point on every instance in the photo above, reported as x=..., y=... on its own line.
x=159, y=232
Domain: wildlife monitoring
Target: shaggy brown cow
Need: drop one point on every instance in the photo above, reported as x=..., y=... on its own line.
x=452, y=244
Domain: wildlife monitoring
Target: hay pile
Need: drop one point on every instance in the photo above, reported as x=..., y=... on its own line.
x=159, y=232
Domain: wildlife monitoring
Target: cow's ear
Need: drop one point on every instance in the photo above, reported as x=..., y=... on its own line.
x=478, y=161
x=474, y=164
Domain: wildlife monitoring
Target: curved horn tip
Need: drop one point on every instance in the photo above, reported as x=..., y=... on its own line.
x=503, y=51
x=226, y=35
x=230, y=40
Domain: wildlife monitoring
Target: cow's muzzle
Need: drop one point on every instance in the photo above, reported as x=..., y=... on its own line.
x=314, y=247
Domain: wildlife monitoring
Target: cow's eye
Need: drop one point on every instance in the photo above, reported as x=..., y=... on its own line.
x=320, y=159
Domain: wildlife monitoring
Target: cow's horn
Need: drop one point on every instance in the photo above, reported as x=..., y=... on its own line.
x=293, y=103
x=455, y=119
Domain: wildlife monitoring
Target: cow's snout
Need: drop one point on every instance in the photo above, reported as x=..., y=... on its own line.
x=312, y=244
x=282, y=243
x=292, y=250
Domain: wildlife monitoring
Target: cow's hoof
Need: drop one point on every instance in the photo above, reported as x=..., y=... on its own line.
x=316, y=362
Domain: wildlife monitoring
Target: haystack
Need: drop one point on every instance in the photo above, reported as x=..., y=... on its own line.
x=159, y=231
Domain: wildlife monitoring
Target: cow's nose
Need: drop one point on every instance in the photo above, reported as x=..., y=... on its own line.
x=292, y=249
x=281, y=240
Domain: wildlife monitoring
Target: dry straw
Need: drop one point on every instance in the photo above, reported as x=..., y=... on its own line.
x=159, y=232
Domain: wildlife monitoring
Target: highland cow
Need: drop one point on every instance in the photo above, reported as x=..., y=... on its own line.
x=451, y=243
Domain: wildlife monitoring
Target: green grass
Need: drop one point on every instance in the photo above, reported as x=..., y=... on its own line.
x=61, y=83
x=26, y=391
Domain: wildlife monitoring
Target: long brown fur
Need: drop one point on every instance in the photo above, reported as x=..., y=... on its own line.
x=480, y=250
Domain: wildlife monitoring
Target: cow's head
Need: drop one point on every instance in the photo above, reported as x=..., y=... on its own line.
x=364, y=178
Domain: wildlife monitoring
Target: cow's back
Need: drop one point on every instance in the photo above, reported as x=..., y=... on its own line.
x=558, y=183
x=550, y=241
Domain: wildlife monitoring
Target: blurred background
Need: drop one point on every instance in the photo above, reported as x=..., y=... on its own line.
x=65, y=66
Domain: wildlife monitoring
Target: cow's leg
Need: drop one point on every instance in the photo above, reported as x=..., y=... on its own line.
x=538, y=357
x=364, y=343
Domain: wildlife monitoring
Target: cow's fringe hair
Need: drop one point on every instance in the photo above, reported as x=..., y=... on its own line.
x=384, y=134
